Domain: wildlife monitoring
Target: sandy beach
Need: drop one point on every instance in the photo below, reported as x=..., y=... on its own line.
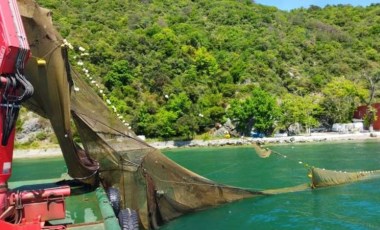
x=37, y=153
x=314, y=137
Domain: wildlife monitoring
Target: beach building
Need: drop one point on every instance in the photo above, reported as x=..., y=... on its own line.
x=361, y=112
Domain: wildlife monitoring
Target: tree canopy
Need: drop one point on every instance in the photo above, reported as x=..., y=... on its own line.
x=175, y=68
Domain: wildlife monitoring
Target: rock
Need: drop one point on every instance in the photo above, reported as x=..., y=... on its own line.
x=31, y=125
x=220, y=132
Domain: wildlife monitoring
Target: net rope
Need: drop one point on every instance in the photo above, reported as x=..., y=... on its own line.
x=320, y=177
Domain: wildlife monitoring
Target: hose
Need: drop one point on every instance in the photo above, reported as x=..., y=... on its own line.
x=12, y=99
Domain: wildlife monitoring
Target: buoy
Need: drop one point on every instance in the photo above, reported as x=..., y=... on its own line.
x=41, y=62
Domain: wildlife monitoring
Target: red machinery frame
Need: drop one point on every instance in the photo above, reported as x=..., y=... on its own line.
x=19, y=210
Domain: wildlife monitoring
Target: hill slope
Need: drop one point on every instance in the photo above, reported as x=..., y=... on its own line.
x=172, y=68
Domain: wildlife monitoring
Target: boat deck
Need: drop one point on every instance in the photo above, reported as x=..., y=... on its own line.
x=86, y=207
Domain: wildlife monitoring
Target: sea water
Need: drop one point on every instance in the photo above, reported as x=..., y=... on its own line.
x=37, y=168
x=351, y=206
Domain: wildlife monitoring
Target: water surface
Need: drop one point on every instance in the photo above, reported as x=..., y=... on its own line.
x=351, y=206
x=37, y=168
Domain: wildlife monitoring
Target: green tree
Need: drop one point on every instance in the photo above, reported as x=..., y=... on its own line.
x=118, y=76
x=161, y=124
x=341, y=97
x=297, y=109
x=179, y=103
x=260, y=111
x=187, y=126
x=164, y=123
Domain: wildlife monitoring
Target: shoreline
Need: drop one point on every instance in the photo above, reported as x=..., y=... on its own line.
x=313, y=138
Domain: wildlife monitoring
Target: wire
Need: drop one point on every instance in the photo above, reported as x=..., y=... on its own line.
x=17, y=90
x=306, y=165
x=120, y=133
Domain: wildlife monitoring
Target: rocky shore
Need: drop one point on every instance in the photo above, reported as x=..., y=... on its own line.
x=314, y=137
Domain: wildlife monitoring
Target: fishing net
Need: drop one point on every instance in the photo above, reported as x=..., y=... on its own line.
x=150, y=183
x=321, y=177
x=324, y=178
x=261, y=152
x=48, y=73
x=158, y=188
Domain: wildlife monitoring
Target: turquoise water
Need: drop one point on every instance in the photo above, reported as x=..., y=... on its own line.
x=36, y=169
x=352, y=206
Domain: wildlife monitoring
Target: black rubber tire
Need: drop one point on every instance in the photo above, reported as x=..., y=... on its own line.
x=128, y=219
x=115, y=199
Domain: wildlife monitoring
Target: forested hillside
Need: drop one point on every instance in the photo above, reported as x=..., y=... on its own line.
x=174, y=68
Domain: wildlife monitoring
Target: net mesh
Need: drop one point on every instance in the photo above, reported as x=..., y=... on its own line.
x=261, y=152
x=158, y=188
x=324, y=177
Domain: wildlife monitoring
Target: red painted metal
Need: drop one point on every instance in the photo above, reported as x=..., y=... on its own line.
x=28, y=209
x=3, y=200
x=53, y=210
x=14, y=48
x=14, y=52
x=44, y=204
x=22, y=226
x=37, y=206
x=6, y=156
x=39, y=195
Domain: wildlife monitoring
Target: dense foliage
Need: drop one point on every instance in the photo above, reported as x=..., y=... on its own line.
x=175, y=68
